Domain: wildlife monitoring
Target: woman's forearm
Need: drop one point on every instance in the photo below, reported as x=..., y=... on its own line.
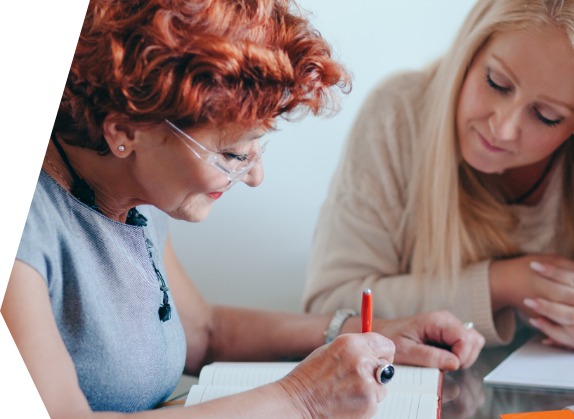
x=247, y=335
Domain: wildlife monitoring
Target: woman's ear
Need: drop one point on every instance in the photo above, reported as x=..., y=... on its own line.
x=119, y=133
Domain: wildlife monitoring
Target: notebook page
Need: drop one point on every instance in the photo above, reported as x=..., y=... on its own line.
x=415, y=379
x=249, y=374
x=395, y=405
x=408, y=406
x=535, y=365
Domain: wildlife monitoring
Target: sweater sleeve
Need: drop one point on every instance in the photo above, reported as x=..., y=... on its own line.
x=362, y=235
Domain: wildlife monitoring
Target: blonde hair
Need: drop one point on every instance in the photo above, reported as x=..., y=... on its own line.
x=459, y=219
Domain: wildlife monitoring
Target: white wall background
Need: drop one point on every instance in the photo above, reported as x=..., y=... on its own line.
x=253, y=249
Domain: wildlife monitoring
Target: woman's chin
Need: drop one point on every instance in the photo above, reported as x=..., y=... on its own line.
x=191, y=214
x=484, y=165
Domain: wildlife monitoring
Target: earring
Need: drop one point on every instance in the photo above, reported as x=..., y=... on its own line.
x=121, y=148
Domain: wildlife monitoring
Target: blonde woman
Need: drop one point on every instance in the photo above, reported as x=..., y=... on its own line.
x=455, y=189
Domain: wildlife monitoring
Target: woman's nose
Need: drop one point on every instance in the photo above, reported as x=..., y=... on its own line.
x=505, y=123
x=255, y=176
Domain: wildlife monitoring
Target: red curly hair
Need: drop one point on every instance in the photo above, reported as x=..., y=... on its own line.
x=195, y=62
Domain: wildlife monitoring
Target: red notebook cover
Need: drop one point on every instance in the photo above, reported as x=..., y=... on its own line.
x=439, y=410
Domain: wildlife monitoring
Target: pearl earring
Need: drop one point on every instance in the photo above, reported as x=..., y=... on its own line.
x=121, y=148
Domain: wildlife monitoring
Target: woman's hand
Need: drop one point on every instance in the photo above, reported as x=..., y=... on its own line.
x=436, y=339
x=543, y=287
x=338, y=380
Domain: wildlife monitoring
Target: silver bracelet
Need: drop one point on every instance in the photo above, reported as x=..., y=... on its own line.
x=336, y=324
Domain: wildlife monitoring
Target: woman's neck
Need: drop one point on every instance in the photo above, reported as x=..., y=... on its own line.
x=526, y=185
x=105, y=175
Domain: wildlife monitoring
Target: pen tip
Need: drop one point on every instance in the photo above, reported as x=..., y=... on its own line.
x=367, y=291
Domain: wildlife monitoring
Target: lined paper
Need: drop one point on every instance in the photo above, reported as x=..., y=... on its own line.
x=412, y=394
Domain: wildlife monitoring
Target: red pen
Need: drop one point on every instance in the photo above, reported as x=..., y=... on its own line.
x=367, y=311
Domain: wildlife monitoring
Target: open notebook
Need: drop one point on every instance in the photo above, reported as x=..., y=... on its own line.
x=414, y=392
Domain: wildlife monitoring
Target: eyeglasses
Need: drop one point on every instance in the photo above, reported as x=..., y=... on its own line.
x=234, y=166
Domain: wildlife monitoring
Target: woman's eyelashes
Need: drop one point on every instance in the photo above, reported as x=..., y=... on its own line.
x=546, y=121
x=496, y=86
x=501, y=88
x=232, y=156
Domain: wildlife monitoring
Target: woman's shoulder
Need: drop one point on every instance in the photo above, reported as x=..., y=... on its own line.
x=404, y=80
x=46, y=207
x=57, y=221
x=405, y=86
x=391, y=116
x=380, y=148
x=39, y=237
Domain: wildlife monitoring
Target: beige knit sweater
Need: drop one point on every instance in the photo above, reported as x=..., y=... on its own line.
x=362, y=233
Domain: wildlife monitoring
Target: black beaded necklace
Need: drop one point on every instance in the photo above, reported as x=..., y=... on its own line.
x=536, y=184
x=84, y=193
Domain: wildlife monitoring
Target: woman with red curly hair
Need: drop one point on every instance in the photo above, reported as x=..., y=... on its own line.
x=165, y=107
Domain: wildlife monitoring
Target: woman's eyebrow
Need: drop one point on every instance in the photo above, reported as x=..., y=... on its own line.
x=516, y=81
x=500, y=61
x=557, y=102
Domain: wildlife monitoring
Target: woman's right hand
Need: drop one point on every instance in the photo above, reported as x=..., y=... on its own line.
x=338, y=380
x=543, y=287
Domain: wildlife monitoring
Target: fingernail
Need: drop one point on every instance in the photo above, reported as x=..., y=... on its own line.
x=537, y=266
x=530, y=303
x=452, y=363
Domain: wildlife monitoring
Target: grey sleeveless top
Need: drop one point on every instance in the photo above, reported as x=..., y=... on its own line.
x=105, y=298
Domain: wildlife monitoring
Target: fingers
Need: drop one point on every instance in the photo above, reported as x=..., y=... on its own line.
x=557, y=274
x=366, y=353
x=340, y=379
x=414, y=353
x=379, y=345
x=384, y=373
x=557, y=335
x=372, y=351
x=561, y=314
x=556, y=321
x=463, y=341
x=436, y=339
x=552, y=342
x=468, y=347
x=384, y=351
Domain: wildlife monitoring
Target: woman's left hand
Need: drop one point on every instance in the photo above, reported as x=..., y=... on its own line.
x=554, y=319
x=436, y=339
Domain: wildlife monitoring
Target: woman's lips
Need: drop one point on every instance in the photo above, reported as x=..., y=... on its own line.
x=491, y=147
x=215, y=195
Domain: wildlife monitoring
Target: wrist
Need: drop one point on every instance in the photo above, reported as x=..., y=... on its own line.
x=296, y=403
x=336, y=324
x=499, y=293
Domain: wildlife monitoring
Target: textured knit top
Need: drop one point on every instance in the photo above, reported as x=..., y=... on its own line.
x=362, y=234
x=105, y=297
